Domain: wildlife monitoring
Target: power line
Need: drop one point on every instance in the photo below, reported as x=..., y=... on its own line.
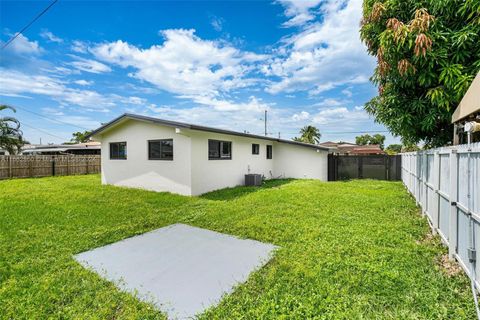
x=41, y=130
x=55, y=120
x=29, y=24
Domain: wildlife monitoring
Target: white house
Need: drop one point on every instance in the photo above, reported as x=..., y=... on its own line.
x=162, y=155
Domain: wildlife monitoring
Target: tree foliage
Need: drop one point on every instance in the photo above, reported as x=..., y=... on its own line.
x=428, y=52
x=393, y=148
x=368, y=139
x=11, y=138
x=309, y=134
x=80, y=137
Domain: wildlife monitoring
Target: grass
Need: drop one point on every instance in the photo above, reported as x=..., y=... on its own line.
x=348, y=250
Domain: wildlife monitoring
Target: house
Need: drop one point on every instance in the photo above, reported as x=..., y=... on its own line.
x=162, y=155
x=467, y=114
x=88, y=148
x=345, y=148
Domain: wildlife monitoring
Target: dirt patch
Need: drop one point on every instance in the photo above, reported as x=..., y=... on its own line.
x=449, y=267
x=429, y=238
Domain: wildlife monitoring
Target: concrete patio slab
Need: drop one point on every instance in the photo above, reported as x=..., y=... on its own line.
x=183, y=270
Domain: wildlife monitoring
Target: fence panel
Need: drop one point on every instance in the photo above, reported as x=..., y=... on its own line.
x=445, y=182
x=382, y=167
x=27, y=166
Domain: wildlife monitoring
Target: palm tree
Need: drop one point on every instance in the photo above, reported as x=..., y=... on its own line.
x=10, y=134
x=309, y=134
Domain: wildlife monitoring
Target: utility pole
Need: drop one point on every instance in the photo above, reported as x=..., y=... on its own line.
x=265, y=123
x=279, y=135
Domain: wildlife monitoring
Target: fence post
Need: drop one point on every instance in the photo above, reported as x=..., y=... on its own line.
x=10, y=173
x=453, y=197
x=418, y=178
x=86, y=164
x=423, y=185
x=436, y=186
x=53, y=166
x=360, y=167
x=335, y=166
x=68, y=165
x=30, y=167
x=386, y=165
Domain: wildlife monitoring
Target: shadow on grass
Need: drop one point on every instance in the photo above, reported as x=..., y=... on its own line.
x=237, y=192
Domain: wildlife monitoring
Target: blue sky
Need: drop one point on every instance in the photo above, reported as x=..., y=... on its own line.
x=213, y=63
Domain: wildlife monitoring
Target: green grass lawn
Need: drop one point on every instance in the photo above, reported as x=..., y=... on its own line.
x=348, y=250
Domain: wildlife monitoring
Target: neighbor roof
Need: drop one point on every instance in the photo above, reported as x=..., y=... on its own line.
x=195, y=127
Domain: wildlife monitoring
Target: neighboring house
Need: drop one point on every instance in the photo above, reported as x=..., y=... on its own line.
x=89, y=148
x=468, y=110
x=161, y=155
x=3, y=152
x=345, y=148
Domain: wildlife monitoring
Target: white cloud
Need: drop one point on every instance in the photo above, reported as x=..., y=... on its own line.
x=299, y=11
x=252, y=104
x=340, y=115
x=241, y=119
x=83, y=82
x=21, y=45
x=302, y=116
x=217, y=23
x=331, y=102
x=134, y=100
x=18, y=83
x=49, y=36
x=89, y=65
x=14, y=83
x=53, y=111
x=202, y=71
x=324, y=55
x=80, y=121
x=183, y=64
x=347, y=92
x=79, y=46
x=60, y=71
x=77, y=120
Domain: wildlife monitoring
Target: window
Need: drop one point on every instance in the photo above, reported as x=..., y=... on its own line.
x=255, y=148
x=269, y=152
x=118, y=150
x=219, y=150
x=160, y=149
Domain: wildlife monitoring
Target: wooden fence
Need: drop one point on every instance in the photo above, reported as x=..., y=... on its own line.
x=28, y=166
x=446, y=184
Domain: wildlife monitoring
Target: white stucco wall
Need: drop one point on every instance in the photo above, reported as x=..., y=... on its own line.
x=139, y=172
x=208, y=175
x=293, y=161
x=191, y=172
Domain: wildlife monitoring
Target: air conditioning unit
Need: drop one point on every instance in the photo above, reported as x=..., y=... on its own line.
x=253, y=179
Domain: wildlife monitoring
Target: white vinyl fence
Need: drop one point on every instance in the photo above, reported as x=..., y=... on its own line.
x=446, y=184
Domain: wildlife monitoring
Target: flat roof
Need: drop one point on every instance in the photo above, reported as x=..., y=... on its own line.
x=199, y=128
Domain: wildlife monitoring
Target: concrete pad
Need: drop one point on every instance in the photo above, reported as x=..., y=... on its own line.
x=183, y=270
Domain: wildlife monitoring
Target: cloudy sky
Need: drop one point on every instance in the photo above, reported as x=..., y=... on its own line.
x=216, y=63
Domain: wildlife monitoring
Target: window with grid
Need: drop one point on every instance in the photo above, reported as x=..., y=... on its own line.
x=160, y=149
